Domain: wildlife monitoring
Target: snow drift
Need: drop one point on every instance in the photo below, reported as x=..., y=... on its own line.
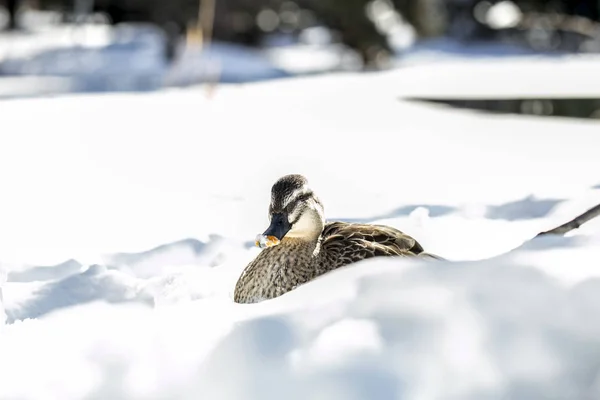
x=126, y=220
x=385, y=329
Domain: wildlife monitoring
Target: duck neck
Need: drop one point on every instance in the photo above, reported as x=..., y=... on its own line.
x=300, y=244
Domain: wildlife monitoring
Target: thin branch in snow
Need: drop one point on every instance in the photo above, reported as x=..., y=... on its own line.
x=206, y=21
x=574, y=223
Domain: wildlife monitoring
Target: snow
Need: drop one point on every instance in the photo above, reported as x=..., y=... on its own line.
x=492, y=329
x=2, y=312
x=567, y=77
x=91, y=57
x=127, y=219
x=51, y=58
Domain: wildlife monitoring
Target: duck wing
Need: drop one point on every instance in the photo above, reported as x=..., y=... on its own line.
x=343, y=243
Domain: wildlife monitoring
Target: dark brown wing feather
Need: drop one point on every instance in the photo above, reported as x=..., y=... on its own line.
x=344, y=243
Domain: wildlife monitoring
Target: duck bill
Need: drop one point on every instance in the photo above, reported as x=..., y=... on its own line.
x=275, y=232
x=279, y=226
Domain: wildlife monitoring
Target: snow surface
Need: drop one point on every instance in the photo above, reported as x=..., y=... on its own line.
x=571, y=77
x=89, y=58
x=127, y=218
x=51, y=58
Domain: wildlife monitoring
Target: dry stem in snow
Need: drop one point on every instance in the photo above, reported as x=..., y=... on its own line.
x=574, y=223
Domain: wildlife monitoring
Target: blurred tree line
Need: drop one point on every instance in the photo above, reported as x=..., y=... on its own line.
x=248, y=21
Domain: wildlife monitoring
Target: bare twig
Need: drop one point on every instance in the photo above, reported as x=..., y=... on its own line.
x=199, y=36
x=206, y=21
x=574, y=223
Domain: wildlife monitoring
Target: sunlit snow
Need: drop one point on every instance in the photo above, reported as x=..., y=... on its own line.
x=126, y=220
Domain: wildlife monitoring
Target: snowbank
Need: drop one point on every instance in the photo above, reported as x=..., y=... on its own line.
x=58, y=59
x=381, y=329
x=2, y=312
x=92, y=57
x=568, y=77
x=155, y=197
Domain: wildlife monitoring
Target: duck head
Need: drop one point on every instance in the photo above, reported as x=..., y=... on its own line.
x=294, y=212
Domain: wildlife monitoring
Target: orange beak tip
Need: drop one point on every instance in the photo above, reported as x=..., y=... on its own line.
x=263, y=241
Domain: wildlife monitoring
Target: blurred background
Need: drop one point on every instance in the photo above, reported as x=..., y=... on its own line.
x=49, y=47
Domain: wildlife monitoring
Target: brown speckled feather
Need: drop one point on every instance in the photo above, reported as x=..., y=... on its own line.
x=282, y=268
x=277, y=270
x=343, y=243
x=345, y=239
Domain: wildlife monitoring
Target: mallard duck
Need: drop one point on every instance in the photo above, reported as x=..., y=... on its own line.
x=299, y=245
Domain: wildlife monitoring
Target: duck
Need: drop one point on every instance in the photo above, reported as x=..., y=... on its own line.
x=300, y=245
